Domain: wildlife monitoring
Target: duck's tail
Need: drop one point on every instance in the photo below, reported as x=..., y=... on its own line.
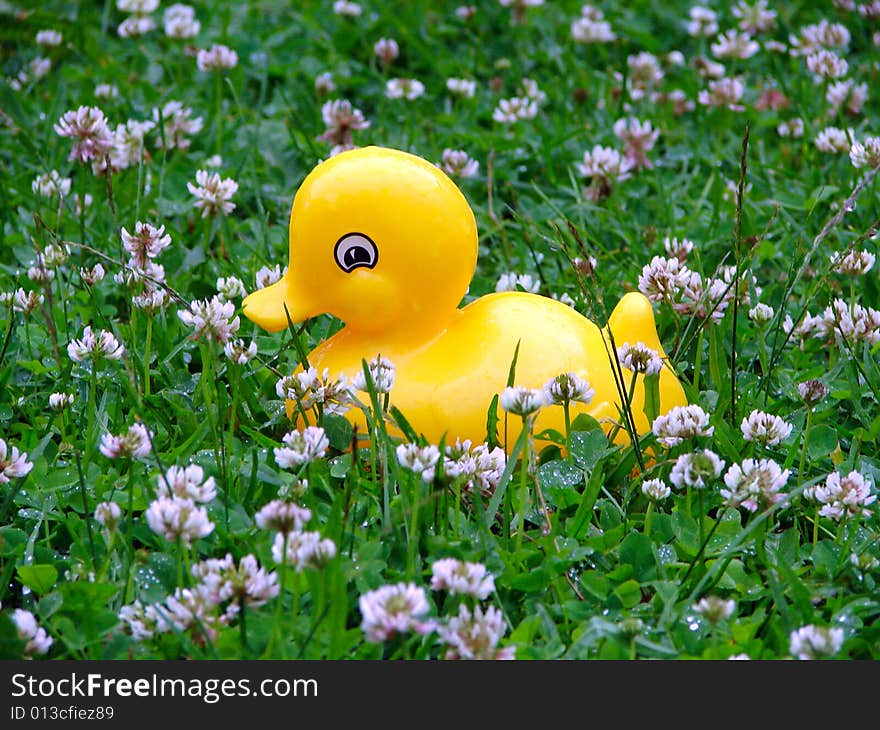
x=632, y=321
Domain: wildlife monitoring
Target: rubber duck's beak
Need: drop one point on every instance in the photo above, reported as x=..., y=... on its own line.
x=276, y=306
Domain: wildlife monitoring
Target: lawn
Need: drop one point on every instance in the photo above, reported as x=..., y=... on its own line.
x=170, y=488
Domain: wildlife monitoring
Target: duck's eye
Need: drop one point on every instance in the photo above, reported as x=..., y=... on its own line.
x=354, y=250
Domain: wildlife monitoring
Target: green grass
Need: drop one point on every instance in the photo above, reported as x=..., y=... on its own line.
x=578, y=575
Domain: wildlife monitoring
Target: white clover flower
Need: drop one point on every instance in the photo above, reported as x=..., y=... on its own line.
x=230, y=287
x=703, y=22
x=754, y=483
x=458, y=163
x=850, y=322
x=522, y=401
x=680, y=423
x=147, y=242
x=324, y=83
x=656, y=489
x=95, y=346
x=663, y=279
x=217, y=58
x=815, y=642
x=382, y=373
x=26, y=301
x=462, y=578
x=177, y=125
x=303, y=550
x=244, y=584
x=479, y=468
x=644, y=74
x=189, y=609
x=136, y=25
x=675, y=248
x=696, y=470
x=38, y=641
x=50, y=184
x=821, y=35
x=832, y=140
x=812, y=392
x=408, y=89
x=88, y=126
x=591, y=27
x=765, y=428
x=517, y=282
x=107, y=515
x=212, y=193
x=347, y=9
x=140, y=7
x=309, y=389
x=865, y=154
x=734, y=45
x=176, y=519
x=282, y=516
x=564, y=298
x=386, y=50
x=60, y=401
x=239, y=352
x=512, y=110
x=13, y=463
x=393, y=609
x=604, y=163
x=302, y=447
x=211, y=318
x=466, y=12
x=756, y=18
x=180, y=22
x=92, y=276
x=638, y=139
x=706, y=68
x=266, y=276
x=106, y=91
x=142, y=621
x=461, y=87
x=146, y=277
x=793, y=128
x=475, y=635
x=826, y=64
x=848, y=95
x=715, y=609
x=844, y=496
x=39, y=67
x=639, y=358
x=49, y=38
x=128, y=147
x=39, y=273
x=421, y=460
x=724, y=92
x=761, y=313
x=341, y=119
x=567, y=388
x=187, y=483
x=151, y=300
x=852, y=263
x=135, y=443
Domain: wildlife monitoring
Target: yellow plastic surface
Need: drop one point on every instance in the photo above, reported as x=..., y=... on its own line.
x=449, y=362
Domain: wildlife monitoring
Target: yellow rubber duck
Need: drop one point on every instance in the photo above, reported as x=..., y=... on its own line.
x=386, y=242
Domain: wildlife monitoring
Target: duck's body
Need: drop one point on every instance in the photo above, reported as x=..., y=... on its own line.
x=445, y=384
x=386, y=242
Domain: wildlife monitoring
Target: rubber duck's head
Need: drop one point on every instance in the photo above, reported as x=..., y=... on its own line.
x=379, y=238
